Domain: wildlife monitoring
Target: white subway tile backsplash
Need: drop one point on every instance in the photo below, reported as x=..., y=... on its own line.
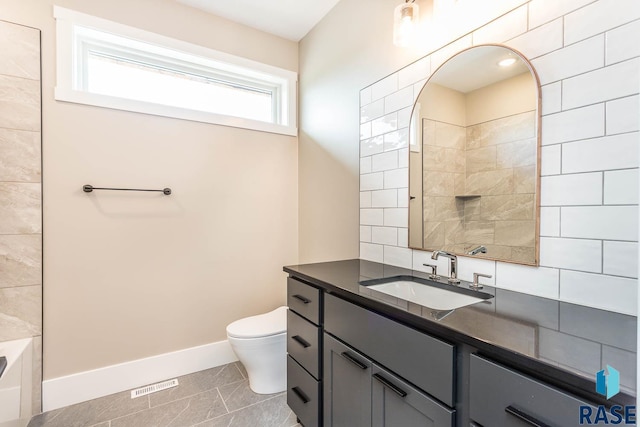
x=365, y=96
x=372, y=181
x=611, y=82
x=440, y=56
x=620, y=259
x=403, y=158
x=576, y=59
x=551, y=160
x=542, y=11
x=399, y=100
x=396, y=217
x=384, y=199
x=550, y=221
x=404, y=117
x=600, y=222
x=365, y=199
x=622, y=43
x=552, y=98
x=415, y=72
x=623, y=115
x=394, y=255
x=573, y=125
x=372, y=216
x=540, y=281
x=403, y=237
x=384, y=87
x=591, y=118
x=467, y=266
x=403, y=197
x=600, y=291
x=365, y=165
x=384, y=124
x=372, y=111
x=396, y=140
x=365, y=131
x=384, y=161
x=571, y=254
x=621, y=187
x=398, y=178
x=599, y=17
x=504, y=28
x=624, y=361
x=372, y=252
x=365, y=233
x=539, y=41
x=611, y=152
x=575, y=189
x=384, y=235
x=371, y=146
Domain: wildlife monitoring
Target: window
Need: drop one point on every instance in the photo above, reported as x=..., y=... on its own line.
x=111, y=65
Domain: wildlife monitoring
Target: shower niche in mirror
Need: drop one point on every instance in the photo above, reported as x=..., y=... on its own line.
x=474, y=168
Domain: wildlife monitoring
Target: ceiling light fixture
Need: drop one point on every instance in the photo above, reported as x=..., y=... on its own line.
x=507, y=62
x=405, y=22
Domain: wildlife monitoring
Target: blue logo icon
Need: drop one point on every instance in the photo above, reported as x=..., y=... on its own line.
x=608, y=384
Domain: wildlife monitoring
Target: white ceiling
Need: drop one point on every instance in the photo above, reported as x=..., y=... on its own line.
x=290, y=19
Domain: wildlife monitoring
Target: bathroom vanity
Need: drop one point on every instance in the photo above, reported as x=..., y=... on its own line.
x=360, y=357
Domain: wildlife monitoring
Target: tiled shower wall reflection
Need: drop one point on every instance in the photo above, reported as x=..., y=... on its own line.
x=588, y=62
x=20, y=191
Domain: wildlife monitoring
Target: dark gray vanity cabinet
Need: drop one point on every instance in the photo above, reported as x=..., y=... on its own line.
x=347, y=381
x=500, y=396
x=362, y=385
x=304, y=347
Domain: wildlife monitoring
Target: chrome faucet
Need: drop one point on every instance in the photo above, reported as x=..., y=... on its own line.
x=476, y=251
x=453, y=279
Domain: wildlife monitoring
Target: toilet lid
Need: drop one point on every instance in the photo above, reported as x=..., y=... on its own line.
x=262, y=325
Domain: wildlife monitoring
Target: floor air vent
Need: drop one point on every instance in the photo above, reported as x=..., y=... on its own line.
x=153, y=388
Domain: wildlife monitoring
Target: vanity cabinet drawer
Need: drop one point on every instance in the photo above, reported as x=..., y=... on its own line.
x=303, y=394
x=427, y=361
x=500, y=396
x=304, y=300
x=303, y=340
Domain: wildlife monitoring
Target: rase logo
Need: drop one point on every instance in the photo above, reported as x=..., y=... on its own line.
x=608, y=385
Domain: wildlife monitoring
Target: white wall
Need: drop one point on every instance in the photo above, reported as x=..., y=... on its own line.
x=587, y=61
x=130, y=276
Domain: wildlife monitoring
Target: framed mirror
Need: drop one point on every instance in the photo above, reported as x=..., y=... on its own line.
x=474, y=158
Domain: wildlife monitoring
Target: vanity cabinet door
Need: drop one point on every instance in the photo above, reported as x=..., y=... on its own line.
x=347, y=386
x=396, y=403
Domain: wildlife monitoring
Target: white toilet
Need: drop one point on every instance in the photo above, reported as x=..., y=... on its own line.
x=260, y=342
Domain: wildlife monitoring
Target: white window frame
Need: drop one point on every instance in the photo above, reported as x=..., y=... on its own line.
x=75, y=32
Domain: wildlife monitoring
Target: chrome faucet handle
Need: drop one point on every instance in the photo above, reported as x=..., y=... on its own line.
x=434, y=271
x=476, y=276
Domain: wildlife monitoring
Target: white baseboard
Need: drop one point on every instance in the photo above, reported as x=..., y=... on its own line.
x=83, y=386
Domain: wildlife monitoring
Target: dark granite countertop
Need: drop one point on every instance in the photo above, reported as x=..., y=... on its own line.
x=561, y=343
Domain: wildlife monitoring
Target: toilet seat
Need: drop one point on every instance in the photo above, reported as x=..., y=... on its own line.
x=262, y=325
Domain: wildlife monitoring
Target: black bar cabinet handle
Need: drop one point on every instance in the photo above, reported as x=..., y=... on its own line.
x=524, y=417
x=394, y=388
x=301, y=341
x=353, y=360
x=303, y=299
x=305, y=399
x=89, y=188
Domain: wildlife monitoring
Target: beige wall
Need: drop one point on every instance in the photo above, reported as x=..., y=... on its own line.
x=502, y=99
x=128, y=276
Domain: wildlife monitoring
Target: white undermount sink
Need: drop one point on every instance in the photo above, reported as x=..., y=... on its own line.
x=437, y=298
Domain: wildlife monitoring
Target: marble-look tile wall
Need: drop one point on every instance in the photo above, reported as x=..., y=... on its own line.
x=588, y=65
x=20, y=191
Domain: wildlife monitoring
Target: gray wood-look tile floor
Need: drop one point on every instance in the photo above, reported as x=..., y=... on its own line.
x=217, y=397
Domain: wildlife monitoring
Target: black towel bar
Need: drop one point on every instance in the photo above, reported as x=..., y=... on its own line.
x=89, y=188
